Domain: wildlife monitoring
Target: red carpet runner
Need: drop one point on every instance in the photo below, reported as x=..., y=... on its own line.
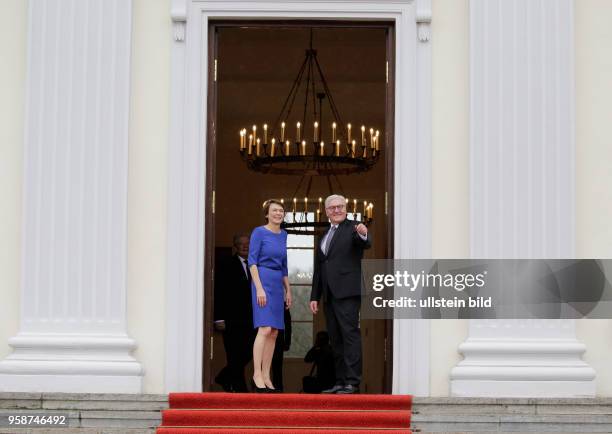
x=250, y=413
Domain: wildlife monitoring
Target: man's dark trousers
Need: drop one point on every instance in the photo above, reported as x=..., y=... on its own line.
x=238, y=342
x=343, y=327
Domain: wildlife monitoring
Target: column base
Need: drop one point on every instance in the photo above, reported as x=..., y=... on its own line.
x=523, y=368
x=71, y=383
x=71, y=363
x=522, y=389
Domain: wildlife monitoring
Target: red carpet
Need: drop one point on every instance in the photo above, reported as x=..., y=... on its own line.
x=250, y=413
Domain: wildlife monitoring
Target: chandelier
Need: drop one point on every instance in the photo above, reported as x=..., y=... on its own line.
x=306, y=142
x=305, y=216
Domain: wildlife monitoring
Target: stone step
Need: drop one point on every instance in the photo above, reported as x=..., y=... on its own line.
x=140, y=414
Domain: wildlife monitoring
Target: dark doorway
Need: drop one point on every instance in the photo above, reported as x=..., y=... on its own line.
x=252, y=67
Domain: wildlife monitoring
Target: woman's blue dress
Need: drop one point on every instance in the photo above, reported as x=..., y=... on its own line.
x=268, y=250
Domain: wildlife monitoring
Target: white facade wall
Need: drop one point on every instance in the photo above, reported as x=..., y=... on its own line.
x=593, y=165
x=13, y=30
x=147, y=181
x=450, y=173
x=147, y=186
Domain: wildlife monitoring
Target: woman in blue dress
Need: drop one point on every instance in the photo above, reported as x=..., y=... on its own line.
x=269, y=288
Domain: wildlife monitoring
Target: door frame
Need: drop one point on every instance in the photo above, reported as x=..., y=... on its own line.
x=212, y=119
x=189, y=201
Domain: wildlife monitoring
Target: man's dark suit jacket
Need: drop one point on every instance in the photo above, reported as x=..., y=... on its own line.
x=233, y=294
x=340, y=269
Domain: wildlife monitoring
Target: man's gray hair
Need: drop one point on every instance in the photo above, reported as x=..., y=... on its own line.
x=334, y=197
x=239, y=235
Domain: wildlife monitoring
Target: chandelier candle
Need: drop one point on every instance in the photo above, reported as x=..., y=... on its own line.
x=282, y=132
x=348, y=133
x=376, y=137
x=353, y=149
x=255, y=132
x=272, y=148
x=287, y=147
x=363, y=140
x=306, y=206
x=265, y=134
x=258, y=147
x=318, y=215
x=333, y=132
x=316, y=132
x=303, y=147
x=250, y=144
x=297, y=134
x=294, y=204
x=322, y=151
x=354, y=206
x=371, y=136
x=337, y=148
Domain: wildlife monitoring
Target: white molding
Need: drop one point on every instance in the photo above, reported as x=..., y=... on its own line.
x=522, y=189
x=423, y=18
x=184, y=314
x=74, y=242
x=178, y=13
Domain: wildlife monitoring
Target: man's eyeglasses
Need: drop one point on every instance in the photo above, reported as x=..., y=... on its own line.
x=336, y=207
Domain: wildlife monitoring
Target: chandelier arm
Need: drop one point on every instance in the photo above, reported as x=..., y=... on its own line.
x=314, y=103
x=292, y=91
x=332, y=103
x=339, y=185
x=329, y=185
x=308, y=78
x=308, y=186
x=299, y=185
x=297, y=89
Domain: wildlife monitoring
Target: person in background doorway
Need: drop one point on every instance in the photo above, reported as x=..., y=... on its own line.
x=234, y=315
x=283, y=344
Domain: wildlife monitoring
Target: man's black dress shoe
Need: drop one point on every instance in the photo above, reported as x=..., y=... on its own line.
x=334, y=389
x=227, y=387
x=349, y=389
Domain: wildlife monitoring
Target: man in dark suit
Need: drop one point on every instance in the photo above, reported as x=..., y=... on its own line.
x=337, y=279
x=234, y=315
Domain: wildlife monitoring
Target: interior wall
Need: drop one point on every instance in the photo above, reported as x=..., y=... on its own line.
x=147, y=186
x=593, y=157
x=13, y=38
x=450, y=169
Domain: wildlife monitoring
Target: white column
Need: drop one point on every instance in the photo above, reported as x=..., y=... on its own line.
x=522, y=190
x=73, y=336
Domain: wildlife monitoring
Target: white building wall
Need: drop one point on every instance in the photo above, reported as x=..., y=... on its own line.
x=147, y=186
x=593, y=165
x=450, y=174
x=148, y=177
x=13, y=29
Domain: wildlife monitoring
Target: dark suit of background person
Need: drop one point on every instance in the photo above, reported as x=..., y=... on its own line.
x=283, y=343
x=337, y=279
x=233, y=305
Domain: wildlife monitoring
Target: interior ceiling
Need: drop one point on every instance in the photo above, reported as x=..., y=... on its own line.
x=275, y=54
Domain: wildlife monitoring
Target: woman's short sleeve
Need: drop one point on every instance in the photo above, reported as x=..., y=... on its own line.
x=254, y=247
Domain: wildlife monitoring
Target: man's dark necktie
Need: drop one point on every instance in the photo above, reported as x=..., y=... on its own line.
x=248, y=274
